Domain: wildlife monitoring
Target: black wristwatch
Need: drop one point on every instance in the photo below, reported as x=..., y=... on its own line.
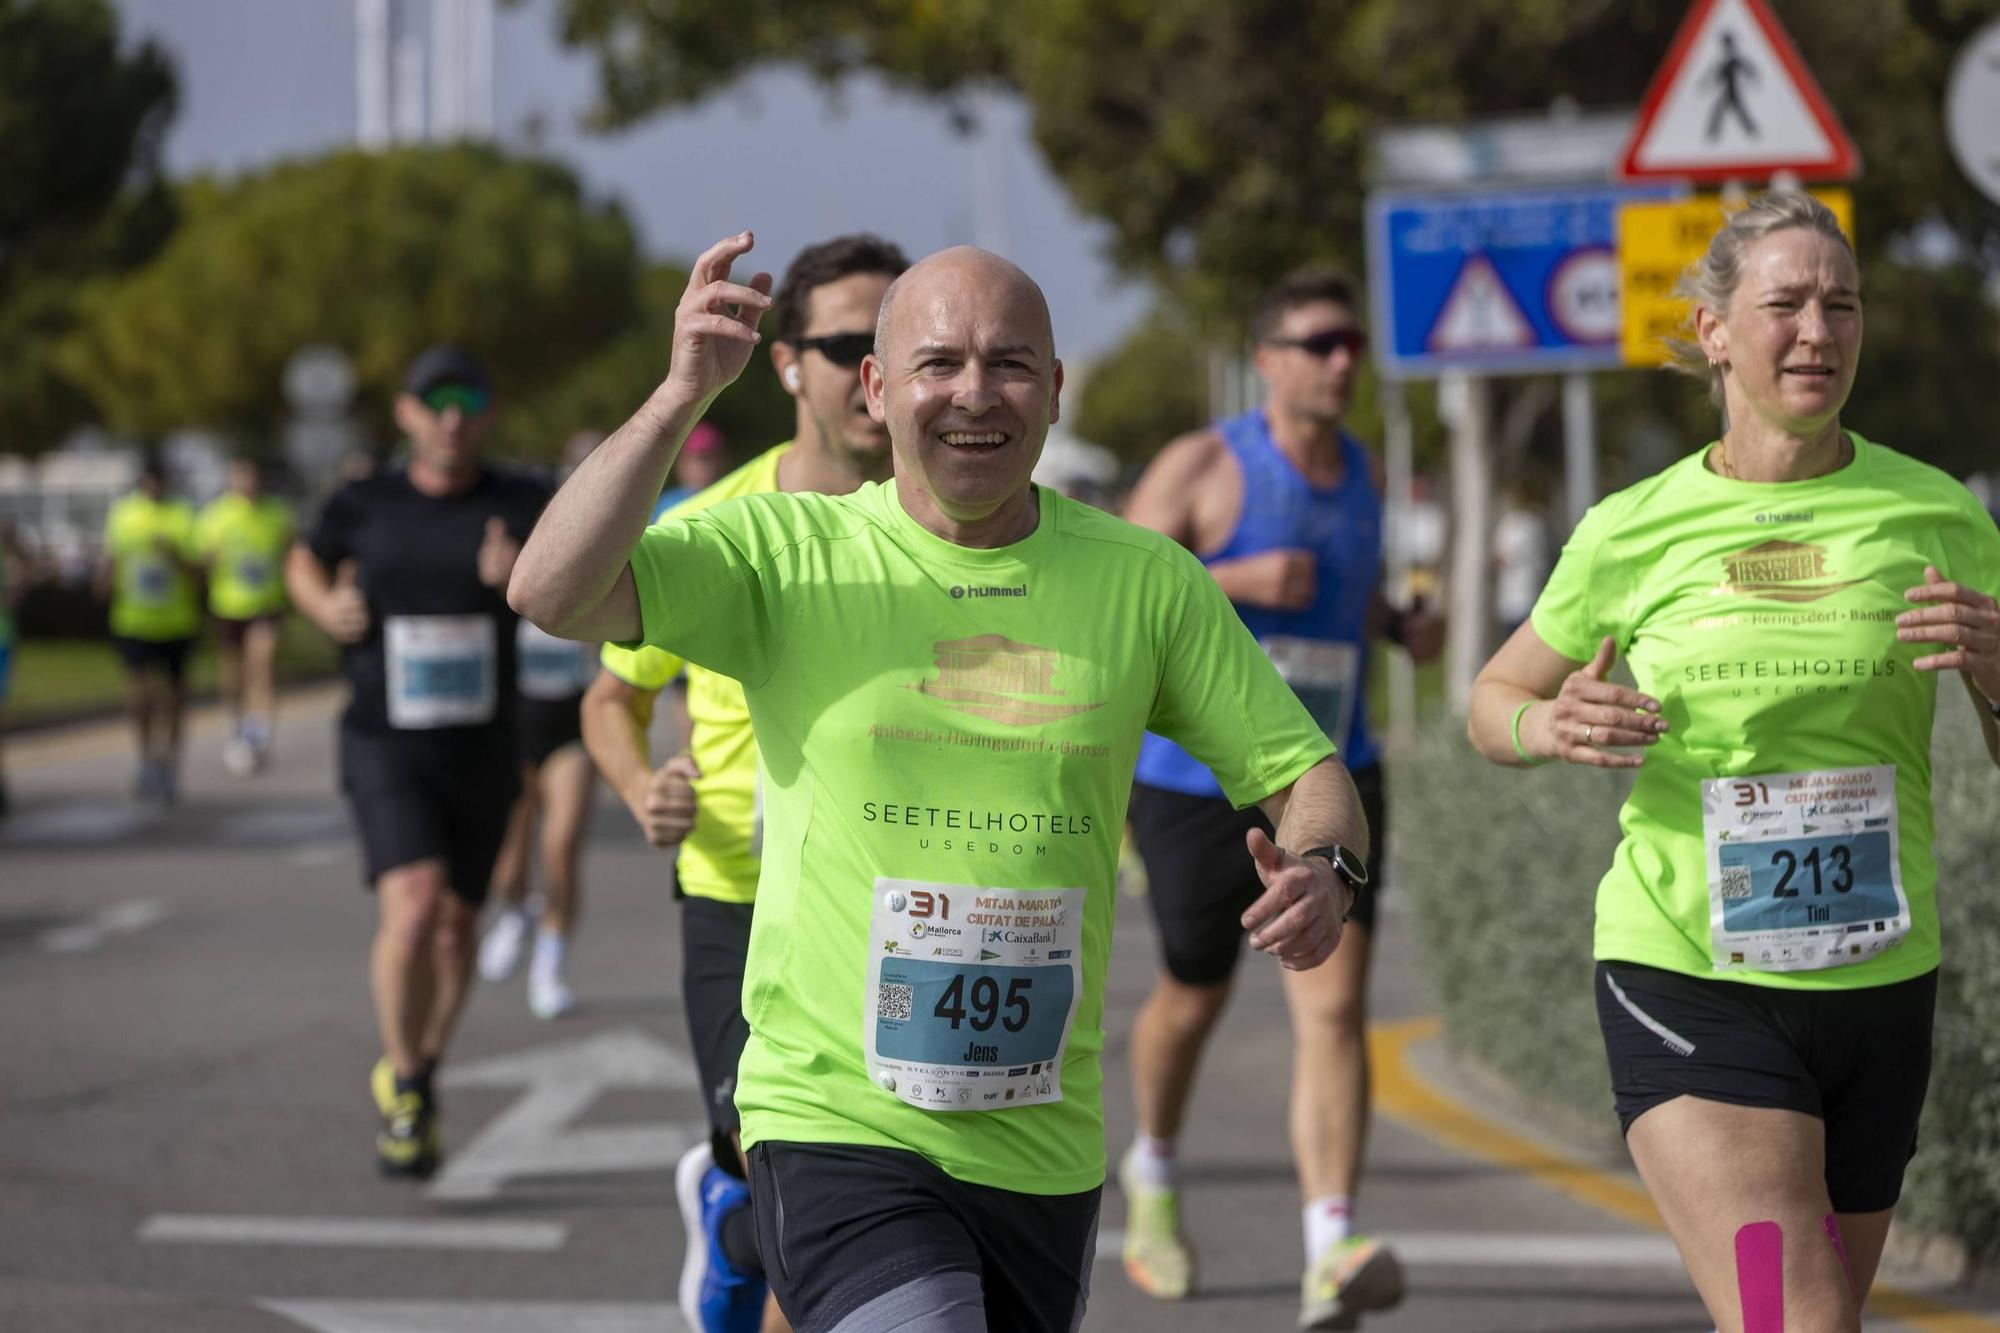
x=1345, y=864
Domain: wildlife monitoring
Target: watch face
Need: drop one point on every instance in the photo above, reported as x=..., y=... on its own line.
x=1349, y=867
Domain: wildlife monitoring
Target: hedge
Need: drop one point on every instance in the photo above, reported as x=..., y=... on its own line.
x=1502, y=867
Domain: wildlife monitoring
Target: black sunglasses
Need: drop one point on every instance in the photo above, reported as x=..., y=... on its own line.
x=1326, y=342
x=843, y=349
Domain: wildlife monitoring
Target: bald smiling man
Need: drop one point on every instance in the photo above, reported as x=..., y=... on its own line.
x=949, y=674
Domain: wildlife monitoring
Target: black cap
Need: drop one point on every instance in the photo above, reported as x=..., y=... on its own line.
x=445, y=363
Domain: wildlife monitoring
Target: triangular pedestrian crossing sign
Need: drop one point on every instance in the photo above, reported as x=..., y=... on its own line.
x=1733, y=101
x=1480, y=314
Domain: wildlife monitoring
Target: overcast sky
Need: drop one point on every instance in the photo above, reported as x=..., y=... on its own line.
x=264, y=79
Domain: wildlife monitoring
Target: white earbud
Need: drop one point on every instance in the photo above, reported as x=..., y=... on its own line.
x=792, y=378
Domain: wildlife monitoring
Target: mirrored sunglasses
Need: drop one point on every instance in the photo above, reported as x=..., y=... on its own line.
x=469, y=399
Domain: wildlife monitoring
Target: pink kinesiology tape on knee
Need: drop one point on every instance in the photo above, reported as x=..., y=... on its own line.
x=1760, y=1276
x=1833, y=1234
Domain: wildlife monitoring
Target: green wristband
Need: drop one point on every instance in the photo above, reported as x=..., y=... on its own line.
x=1514, y=730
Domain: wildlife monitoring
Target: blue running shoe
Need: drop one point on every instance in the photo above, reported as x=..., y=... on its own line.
x=716, y=1297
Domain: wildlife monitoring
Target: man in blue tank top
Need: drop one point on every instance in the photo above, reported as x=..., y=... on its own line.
x=1284, y=508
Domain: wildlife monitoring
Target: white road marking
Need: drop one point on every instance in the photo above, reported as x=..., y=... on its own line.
x=118, y=919
x=1533, y=1249
x=87, y=821
x=325, y=854
x=422, y=1233
x=1478, y=1249
x=479, y=1317
x=286, y=826
x=532, y=1138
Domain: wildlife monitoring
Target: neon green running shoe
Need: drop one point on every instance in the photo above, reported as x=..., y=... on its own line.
x=1157, y=1257
x=409, y=1144
x=1357, y=1275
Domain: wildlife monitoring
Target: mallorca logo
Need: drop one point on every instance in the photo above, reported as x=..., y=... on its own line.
x=1780, y=571
x=994, y=677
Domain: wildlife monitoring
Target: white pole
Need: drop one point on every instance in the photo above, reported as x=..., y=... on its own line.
x=480, y=118
x=447, y=69
x=409, y=116
x=1399, y=462
x=1579, y=446
x=371, y=73
x=1471, y=541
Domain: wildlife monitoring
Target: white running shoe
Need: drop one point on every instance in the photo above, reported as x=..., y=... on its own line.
x=548, y=997
x=500, y=951
x=239, y=758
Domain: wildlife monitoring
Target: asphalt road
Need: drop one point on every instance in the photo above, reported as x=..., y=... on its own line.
x=185, y=1127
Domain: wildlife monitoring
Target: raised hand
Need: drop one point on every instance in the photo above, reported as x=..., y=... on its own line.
x=666, y=816
x=346, y=607
x=1965, y=622
x=715, y=325
x=1592, y=718
x=1297, y=920
x=497, y=552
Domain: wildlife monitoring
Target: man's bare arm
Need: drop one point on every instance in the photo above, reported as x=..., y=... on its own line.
x=1165, y=496
x=1298, y=918
x=573, y=578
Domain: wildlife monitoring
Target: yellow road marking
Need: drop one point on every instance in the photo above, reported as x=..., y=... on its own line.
x=1405, y=1097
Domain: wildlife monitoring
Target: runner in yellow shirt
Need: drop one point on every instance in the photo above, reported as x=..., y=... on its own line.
x=147, y=572
x=1767, y=935
x=949, y=674
x=824, y=326
x=243, y=535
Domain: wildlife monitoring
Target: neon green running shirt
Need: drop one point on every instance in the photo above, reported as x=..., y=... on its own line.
x=719, y=858
x=1762, y=617
x=153, y=595
x=947, y=738
x=244, y=541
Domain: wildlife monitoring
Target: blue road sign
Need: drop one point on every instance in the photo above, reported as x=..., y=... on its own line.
x=1513, y=282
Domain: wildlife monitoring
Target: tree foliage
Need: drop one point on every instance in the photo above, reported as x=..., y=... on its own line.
x=1150, y=388
x=376, y=254
x=80, y=129
x=602, y=390
x=1227, y=144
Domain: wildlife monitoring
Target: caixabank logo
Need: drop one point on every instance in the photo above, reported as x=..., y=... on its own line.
x=1781, y=571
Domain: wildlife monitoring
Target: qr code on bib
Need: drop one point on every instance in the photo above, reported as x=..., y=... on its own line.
x=892, y=999
x=1735, y=883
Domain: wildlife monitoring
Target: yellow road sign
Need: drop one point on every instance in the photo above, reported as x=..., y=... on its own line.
x=1656, y=243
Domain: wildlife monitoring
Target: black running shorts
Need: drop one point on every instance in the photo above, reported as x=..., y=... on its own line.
x=715, y=943
x=1200, y=878
x=865, y=1240
x=543, y=726
x=418, y=795
x=1859, y=1060
x=169, y=657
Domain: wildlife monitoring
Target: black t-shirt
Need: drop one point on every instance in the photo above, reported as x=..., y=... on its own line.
x=439, y=655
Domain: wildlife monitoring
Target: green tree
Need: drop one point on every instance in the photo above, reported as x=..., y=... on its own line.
x=80, y=129
x=601, y=391
x=1227, y=144
x=1150, y=388
x=377, y=254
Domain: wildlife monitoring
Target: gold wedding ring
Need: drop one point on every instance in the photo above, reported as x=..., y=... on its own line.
x=1588, y=731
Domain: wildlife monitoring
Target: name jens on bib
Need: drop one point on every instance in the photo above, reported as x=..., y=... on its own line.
x=971, y=993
